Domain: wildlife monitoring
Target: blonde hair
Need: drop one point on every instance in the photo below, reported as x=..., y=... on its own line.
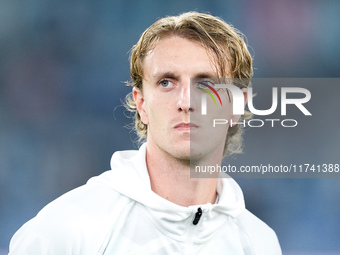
x=228, y=50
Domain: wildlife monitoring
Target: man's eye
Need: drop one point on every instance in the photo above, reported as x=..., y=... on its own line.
x=205, y=84
x=201, y=85
x=165, y=83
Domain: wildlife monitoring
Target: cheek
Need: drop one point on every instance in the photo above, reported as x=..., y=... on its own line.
x=224, y=112
x=158, y=108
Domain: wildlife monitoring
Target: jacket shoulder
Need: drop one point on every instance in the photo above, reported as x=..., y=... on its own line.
x=75, y=223
x=262, y=238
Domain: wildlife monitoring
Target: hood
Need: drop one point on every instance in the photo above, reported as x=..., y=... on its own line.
x=129, y=177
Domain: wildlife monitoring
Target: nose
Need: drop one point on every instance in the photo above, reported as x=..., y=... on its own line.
x=184, y=104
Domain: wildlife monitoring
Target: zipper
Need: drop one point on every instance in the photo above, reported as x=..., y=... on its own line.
x=192, y=231
x=197, y=216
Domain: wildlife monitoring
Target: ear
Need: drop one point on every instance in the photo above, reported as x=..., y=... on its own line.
x=140, y=104
x=236, y=118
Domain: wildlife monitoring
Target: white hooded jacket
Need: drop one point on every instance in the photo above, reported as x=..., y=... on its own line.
x=118, y=213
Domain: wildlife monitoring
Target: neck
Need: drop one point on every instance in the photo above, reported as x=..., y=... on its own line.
x=170, y=179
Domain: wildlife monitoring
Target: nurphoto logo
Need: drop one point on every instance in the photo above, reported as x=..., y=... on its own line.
x=238, y=103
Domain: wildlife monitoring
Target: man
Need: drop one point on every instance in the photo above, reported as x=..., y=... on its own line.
x=147, y=203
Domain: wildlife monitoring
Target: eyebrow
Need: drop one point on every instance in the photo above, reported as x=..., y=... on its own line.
x=176, y=76
x=165, y=74
x=206, y=75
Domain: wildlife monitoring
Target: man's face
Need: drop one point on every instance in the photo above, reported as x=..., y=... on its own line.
x=171, y=111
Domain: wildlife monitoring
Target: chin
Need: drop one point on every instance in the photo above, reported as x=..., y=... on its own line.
x=182, y=153
x=195, y=155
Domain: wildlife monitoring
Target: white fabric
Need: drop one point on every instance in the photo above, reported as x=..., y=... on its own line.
x=118, y=213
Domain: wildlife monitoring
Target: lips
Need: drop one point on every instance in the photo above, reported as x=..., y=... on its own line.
x=185, y=126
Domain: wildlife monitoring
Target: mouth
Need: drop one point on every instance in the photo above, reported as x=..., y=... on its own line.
x=185, y=126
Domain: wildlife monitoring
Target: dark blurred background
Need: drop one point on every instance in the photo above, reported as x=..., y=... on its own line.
x=62, y=70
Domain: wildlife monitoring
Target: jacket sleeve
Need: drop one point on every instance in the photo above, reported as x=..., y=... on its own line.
x=41, y=238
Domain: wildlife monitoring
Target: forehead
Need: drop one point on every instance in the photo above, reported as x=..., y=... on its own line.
x=180, y=55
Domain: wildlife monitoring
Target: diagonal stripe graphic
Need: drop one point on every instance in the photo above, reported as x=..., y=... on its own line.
x=207, y=91
x=210, y=87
